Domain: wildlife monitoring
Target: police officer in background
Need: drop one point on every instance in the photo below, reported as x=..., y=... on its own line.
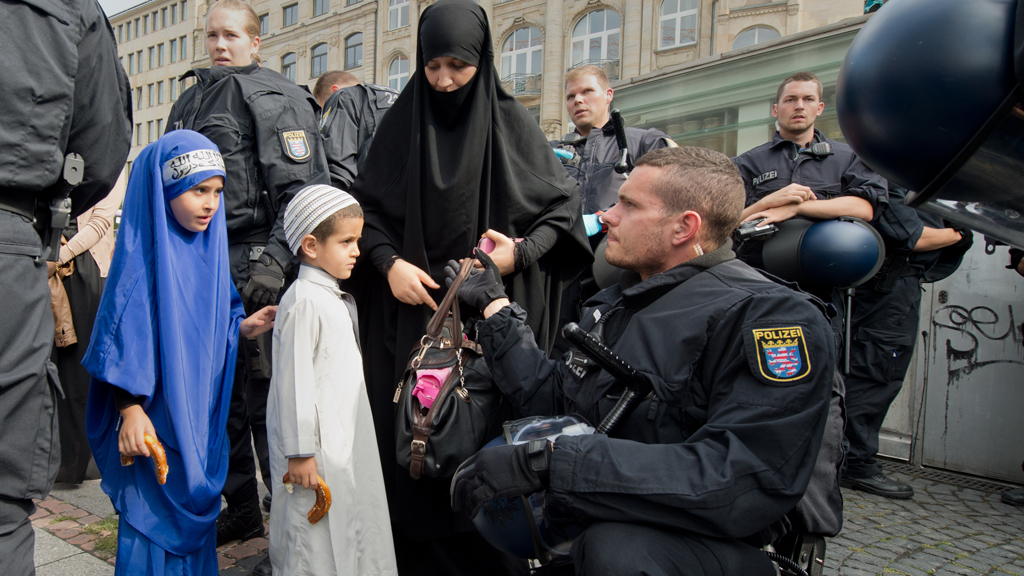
x=588, y=99
x=265, y=128
x=66, y=131
x=351, y=112
x=885, y=314
x=712, y=464
x=803, y=173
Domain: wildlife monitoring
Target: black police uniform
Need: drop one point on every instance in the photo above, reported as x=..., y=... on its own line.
x=351, y=116
x=779, y=163
x=885, y=316
x=266, y=129
x=599, y=182
x=46, y=114
x=713, y=463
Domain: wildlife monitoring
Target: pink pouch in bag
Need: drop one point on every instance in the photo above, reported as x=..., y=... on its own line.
x=428, y=385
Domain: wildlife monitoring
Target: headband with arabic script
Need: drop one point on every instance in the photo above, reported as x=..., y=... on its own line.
x=189, y=169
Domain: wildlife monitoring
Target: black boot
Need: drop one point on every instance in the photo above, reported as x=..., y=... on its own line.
x=241, y=520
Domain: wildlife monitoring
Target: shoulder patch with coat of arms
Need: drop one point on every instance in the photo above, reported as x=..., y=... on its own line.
x=295, y=144
x=780, y=353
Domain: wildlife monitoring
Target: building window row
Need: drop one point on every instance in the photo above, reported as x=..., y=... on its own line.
x=318, y=57
x=156, y=55
x=157, y=20
x=155, y=92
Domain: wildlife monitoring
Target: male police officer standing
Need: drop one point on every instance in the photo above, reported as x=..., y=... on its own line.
x=802, y=173
x=884, y=322
x=588, y=99
x=66, y=130
x=709, y=466
x=352, y=112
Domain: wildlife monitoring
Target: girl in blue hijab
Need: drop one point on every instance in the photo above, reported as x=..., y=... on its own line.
x=162, y=359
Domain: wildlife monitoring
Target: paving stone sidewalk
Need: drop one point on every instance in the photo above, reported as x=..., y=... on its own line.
x=954, y=525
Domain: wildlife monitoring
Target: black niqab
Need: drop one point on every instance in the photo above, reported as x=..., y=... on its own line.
x=445, y=167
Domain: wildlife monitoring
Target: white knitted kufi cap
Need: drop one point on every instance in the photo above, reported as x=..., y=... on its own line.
x=311, y=206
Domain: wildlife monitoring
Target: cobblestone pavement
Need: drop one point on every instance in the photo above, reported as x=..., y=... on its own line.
x=954, y=525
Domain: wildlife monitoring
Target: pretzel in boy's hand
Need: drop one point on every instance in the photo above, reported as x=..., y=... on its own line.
x=323, y=498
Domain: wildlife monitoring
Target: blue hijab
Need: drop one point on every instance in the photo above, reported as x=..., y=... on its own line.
x=167, y=330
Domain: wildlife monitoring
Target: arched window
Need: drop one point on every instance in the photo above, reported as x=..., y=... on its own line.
x=354, y=50
x=754, y=35
x=678, y=23
x=522, y=61
x=288, y=66
x=398, y=72
x=398, y=13
x=318, y=61
x=595, y=39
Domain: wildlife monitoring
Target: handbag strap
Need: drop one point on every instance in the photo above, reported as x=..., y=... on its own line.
x=450, y=304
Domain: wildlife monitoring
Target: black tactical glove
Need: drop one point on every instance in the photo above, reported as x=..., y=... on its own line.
x=500, y=472
x=482, y=286
x=266, y=278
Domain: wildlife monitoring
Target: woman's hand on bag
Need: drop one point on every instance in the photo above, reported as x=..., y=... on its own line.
x=260, y=322
x=135, y=425
x=407, y=284
x=503, y=254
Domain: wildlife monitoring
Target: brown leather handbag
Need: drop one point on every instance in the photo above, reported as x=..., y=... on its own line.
x=432, y=441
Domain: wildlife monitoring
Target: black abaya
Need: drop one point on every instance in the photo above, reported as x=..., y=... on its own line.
x=84, y=288
x=442, y=169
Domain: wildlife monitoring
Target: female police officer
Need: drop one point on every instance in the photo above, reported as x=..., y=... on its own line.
x=265, y=127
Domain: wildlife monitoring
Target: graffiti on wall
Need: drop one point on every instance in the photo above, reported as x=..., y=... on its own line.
x=976, y=325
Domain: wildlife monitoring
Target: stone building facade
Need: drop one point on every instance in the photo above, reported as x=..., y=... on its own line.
x=537, y=42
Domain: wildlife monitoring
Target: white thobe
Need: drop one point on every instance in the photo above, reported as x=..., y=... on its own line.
x=318, y=407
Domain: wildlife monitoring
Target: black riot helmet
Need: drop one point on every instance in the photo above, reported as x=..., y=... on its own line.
x=826, y=254
x=927, y=97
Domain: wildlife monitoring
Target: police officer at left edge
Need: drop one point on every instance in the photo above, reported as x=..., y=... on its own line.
x=66, y=131
x=741, y=436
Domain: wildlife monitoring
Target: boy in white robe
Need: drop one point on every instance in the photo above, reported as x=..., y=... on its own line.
x=318, y=413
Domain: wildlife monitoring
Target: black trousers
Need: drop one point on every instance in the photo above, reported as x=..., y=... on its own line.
x=29, y=441
x=17, y=539
x=884, y=329
x=616, y=549
x=247, y=418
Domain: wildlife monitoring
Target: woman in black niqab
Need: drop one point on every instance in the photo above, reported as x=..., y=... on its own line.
x=444, y=168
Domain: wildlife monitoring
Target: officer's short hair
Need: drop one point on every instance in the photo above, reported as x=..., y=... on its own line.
x=322, y=89
x=588, y=70
x=701, y=180
x=799, y=77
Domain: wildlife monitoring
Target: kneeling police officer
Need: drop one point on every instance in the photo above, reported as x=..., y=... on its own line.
x=720, y=459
